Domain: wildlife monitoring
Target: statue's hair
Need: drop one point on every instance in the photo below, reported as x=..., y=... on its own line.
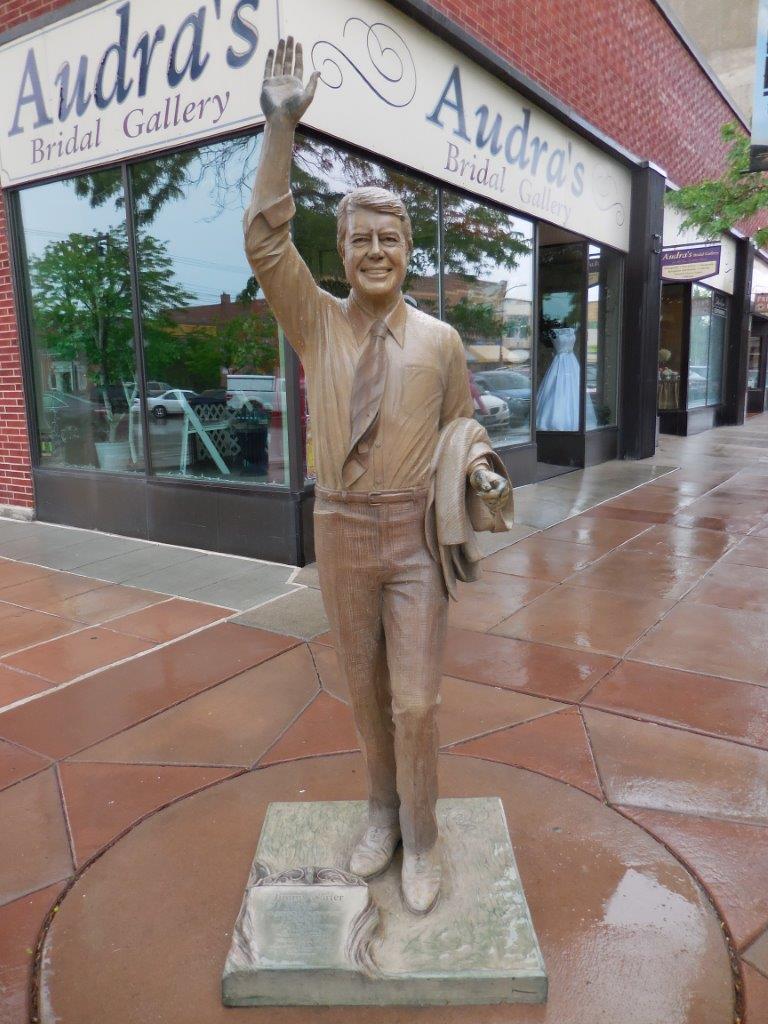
x=379, y=199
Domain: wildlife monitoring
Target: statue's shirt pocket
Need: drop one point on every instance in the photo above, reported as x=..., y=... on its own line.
x=421, y=388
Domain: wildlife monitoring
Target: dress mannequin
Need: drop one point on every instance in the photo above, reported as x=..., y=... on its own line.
x=557, y=405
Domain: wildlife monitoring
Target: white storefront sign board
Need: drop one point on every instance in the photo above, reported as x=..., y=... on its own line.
x=676, y=235
x=128, y=77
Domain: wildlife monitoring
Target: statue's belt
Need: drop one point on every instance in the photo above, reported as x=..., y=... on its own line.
x=372, y=497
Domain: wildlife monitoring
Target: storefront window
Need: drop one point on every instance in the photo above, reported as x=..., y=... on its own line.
x=671, y=346
x=753, y=361
x=603, y=336
x=488, y=298
x=215, y=391
x=82, y=323
x=709, y=312
x=561, y=290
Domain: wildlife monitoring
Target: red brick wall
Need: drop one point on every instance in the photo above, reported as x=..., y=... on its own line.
x=15, y=476
x=618, y=63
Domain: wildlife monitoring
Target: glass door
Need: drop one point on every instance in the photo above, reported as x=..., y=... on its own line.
x=562, y=299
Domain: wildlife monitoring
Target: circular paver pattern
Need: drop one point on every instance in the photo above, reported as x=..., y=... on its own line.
x=627, y=935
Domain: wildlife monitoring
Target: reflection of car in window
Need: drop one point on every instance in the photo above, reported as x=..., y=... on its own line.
x=490, y=410
x=513, y=386
x=167, y=404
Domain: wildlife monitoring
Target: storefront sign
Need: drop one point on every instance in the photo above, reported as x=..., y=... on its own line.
x=690, y=262
x=760, y=303
x=128, y=77
x=758, y=152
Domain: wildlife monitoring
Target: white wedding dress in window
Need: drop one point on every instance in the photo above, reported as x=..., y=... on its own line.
x=557, y=404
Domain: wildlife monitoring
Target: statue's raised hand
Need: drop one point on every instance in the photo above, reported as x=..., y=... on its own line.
x=283, y=94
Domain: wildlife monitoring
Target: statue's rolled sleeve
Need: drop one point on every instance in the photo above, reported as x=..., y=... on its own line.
x=285, y=279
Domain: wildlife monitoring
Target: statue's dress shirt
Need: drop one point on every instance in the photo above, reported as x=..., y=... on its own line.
x=427, y=384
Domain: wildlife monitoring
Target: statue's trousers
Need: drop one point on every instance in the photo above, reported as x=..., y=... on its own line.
x=387, y=603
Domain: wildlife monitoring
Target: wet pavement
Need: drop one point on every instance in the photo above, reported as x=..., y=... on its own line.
x=608, y=679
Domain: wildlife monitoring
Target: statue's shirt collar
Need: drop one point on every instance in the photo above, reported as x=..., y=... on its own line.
x=362, y=322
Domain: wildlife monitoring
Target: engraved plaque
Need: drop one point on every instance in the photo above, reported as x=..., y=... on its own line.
x=307, y=918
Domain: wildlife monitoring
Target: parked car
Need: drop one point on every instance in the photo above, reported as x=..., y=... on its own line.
x=167, y=404
x=511, y=386
x=491, y=411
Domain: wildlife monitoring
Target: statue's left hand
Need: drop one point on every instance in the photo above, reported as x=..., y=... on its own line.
x=492, y=487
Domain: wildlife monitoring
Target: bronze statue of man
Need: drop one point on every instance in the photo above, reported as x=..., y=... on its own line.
x=384, y=381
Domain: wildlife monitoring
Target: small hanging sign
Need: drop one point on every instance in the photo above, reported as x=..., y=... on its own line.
x=690, y=262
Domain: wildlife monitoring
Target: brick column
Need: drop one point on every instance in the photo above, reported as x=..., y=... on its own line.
x=15, y=464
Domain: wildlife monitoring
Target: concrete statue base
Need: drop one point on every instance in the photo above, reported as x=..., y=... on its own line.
x=311, y=934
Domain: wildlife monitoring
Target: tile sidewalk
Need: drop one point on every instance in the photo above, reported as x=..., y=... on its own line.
x=618, y=645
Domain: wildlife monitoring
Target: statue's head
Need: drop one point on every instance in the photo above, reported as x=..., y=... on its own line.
x=374, y=238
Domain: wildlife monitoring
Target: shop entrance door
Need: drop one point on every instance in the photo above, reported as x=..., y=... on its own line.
x=560, y=356
x=757, y=360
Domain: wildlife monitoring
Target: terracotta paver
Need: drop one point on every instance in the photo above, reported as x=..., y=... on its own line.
x=751, y=551
x=17, y=763
x=169, y=620
x=652, y=498
x=471, y=709
x=556, y=745
x=542, y=559
x=34, y=846
x=231, y=724
x=731, y=860
x=594, y=881
x=104, y=799
x=643, y=573
x=12, y=573
x=602, y=535
x=104, y=603
x=605, y=622
x=518, y=665
x=732, y=585
x=755, y=995
x=19, y=685
x=690, y=517
x=49, y=593
x=20, y=922
x=631, y=515
x=496, y=596
x=643, y=764
x=722, y=707
x=75, y=717
x=28, y=628
x=703, y=638
x=325, y=727
x=757, y=953
x=676, y=540
x=74, y=655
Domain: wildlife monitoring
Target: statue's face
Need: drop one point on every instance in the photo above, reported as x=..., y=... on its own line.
x=375, y=255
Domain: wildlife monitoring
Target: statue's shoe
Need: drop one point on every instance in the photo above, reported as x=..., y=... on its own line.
x=375, y=850
x=421, y=877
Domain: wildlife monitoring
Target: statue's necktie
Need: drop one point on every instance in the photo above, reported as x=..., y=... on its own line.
x=367, y=392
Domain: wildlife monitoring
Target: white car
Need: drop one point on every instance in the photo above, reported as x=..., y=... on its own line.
x=491, y=411
x=167, y=404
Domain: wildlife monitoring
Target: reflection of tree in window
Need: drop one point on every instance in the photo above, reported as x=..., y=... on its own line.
x=82, y=306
